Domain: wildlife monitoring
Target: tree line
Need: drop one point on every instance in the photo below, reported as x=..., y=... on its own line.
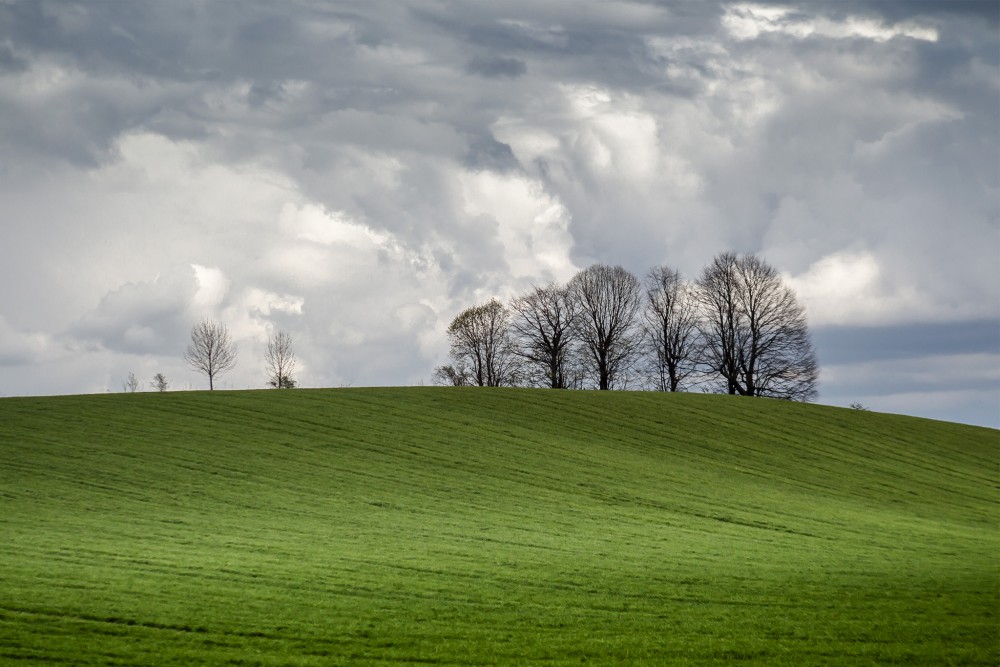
x=737, y=329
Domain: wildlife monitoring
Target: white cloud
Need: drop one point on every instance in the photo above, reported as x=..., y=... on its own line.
x=748, y=21
x=20, y=347
x=212, y=286
x=532, y=226
x=848, y=287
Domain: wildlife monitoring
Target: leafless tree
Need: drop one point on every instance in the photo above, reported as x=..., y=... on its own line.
x=279, y=361
x=481, y=342
x=159, y=382
x=211, y=350
x=608, y=299
x=131, y=384
x=755, y=332
x=671, y=324
x=452, y=376
x=543, y=324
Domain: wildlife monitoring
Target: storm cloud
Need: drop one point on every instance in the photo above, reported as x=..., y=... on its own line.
x=355, y=173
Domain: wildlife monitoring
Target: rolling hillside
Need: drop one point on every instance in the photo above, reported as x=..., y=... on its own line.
x=470, y=526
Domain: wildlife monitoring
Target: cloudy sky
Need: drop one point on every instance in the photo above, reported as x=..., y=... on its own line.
x=355, y=173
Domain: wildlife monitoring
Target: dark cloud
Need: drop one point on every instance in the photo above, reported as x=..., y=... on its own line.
x=496, y=66
x=485, y=152
x=842, y=344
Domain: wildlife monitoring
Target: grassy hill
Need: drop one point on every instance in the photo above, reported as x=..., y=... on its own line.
x=469, y=526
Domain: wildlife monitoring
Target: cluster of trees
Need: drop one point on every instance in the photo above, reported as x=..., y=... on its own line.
x=213, y=353
x=131, y=383
x=737, y=329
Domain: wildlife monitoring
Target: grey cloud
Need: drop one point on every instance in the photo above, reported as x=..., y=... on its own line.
x=496, y=66
x=142, y=318
x=853, y=344
x=485, y=152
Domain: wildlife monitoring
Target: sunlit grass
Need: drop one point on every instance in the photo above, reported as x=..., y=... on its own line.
x=464, y=526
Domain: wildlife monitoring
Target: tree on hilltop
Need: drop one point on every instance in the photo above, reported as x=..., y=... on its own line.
x=481, y=343
x=211, y=350
x=670, y=320
x=608, y=299
x=755, y=332
x=159, y=382
x=279, y=360
x=543, y=324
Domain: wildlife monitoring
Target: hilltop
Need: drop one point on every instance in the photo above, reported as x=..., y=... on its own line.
x=477, y=526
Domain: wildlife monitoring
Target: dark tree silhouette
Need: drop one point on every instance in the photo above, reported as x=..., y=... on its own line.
x=542, y=322
x=608, y=299
x=754, y=330
x=671, y=326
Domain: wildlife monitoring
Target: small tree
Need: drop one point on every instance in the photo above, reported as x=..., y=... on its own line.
x=131, y=384
x=211, y=350
x=279, y=360
x=451, y=376
x=159, y=382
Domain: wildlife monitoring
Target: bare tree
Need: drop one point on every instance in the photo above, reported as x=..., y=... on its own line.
x=608, y=298
x=671, y=325
x=481, y=342
x=159, y=382
x=279, y=361
x=131, y=384
x=755, y=332
x=211, y=350
x=452, y=376
x=543, y=321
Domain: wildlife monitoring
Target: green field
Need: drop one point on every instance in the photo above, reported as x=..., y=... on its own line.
x=485, y=527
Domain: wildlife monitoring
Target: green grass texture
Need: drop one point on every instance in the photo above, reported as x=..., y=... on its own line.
x=468, y=526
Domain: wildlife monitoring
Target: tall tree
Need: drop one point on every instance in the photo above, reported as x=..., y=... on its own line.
x=481, y=343
x=543, y=321
x=755, y=332
x=608, y=298
x=279, y=361
x=671, y=324
x=211, y=350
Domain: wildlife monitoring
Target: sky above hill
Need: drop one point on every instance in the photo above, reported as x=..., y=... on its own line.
x=356, y=173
